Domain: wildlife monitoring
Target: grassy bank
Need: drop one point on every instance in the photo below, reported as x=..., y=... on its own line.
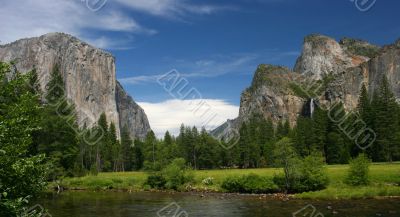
x=384, y=181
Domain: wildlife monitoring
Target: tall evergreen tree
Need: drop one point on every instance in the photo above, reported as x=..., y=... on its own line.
x=385, y=124
x=101, y=145
x=126, y=149
x=58, y=137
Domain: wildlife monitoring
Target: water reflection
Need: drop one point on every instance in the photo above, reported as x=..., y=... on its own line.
x=123, y=204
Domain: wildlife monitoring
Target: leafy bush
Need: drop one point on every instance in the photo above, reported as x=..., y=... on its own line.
x=177, y=174
x=310, y=175
x=358, y=173
x=208, y=181
x=173, y=176
x=156, y=181
x=313, y=174
x=251, y=183
x=233, y=184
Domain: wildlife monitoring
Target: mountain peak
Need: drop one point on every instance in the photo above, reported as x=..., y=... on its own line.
x=322, y=55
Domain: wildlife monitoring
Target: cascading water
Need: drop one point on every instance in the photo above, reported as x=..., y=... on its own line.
x=311, y=107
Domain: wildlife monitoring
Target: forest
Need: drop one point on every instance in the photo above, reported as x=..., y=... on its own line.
x=41, y=141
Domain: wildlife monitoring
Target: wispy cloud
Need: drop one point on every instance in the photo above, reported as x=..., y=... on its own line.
x=170, y=114
x=28, y=18
x=216, y=66
x=171, y=8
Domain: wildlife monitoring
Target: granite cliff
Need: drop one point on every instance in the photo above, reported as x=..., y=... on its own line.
x=89, y=77
x=326, y=72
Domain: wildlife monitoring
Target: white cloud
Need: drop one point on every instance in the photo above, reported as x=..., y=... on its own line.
x=170, y=114
x=28, y=18
x=170, y=8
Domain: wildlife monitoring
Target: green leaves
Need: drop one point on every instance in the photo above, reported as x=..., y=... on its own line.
x=21, y=173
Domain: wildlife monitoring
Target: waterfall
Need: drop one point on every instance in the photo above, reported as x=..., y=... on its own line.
x=311, y=107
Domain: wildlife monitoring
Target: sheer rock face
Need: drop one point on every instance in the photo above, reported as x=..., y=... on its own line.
x=131, y=115
x=327, y=71
x=271, y=96
x=88, y=73
x=322, y=56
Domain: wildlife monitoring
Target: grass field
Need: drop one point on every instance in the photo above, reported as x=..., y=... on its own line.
x=385, y=180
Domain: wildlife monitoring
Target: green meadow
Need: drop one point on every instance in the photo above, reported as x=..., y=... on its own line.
x=384, y=181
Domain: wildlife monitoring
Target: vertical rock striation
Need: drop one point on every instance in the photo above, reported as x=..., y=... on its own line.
x=131, y=115
x=88, y=73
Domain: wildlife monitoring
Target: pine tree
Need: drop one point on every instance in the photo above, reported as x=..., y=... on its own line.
x=364, y=106
x=319, y=126
x=58, y=137
x=126, y=149
x=102, y=144
x=303, y=136
x=244, y=141
x=385, y=124
x=150, y=148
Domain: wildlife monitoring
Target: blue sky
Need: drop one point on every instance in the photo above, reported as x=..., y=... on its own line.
x=216, y=44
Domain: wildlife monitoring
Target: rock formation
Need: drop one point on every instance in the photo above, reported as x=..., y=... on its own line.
x=89, y=77
x=326, y=72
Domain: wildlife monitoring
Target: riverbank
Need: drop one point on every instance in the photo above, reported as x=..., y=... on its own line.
x=384, y=182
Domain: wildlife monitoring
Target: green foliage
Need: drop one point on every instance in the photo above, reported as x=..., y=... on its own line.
x=177, y=174
x=358, y=173
x=57, y=136
x=360, y=47
x=251, y=183
x=299, y=91
x=286, y=157
x=386, y=116
x=208, y=181
x=22, y=174
x=173, y=176
x=308, y=174
x=313, y=174
x=156, y=181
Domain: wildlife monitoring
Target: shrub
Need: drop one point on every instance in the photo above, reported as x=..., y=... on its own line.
x=309, y=175
x=233, y=184
x=156, y=180
x=258, y=184
x=177, y=174
x=251, y=183
x=208, y=181
x=313, y=174
x=358, y=173
x=173, y=176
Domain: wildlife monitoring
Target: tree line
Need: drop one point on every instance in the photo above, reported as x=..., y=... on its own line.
x=320, y=132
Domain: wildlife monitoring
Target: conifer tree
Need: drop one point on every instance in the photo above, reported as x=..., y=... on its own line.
x=57, y=137
x=126, y=149
x=385, y=124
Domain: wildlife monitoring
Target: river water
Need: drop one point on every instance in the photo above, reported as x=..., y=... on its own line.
x=146, y=204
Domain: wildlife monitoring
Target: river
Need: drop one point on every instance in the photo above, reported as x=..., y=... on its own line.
x=146, y=204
